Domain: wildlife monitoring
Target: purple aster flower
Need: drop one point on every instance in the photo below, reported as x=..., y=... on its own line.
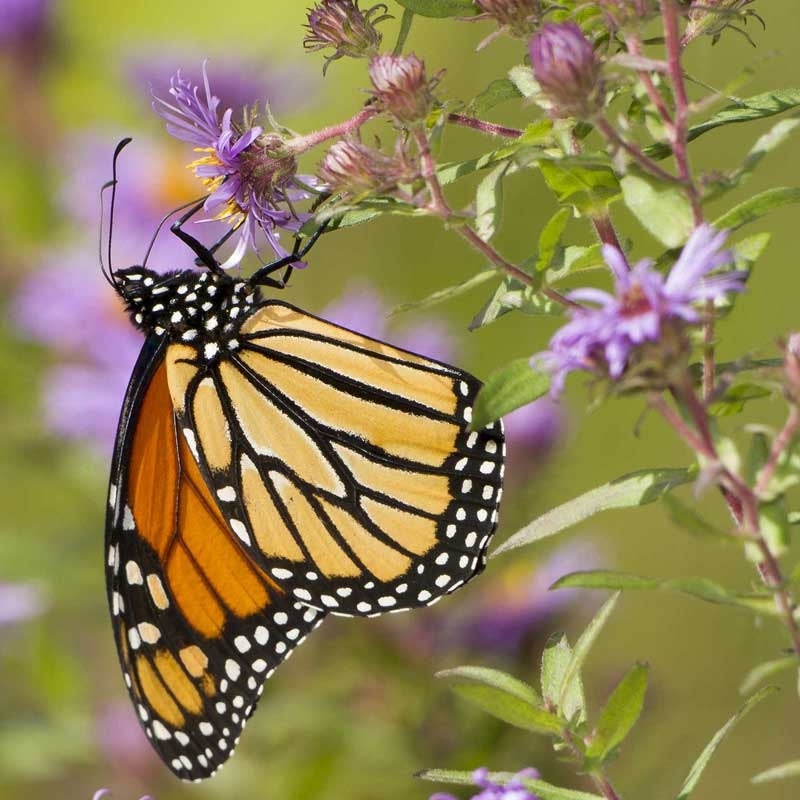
x=513, y=790
x=566, y=67
x=20, y=602
x=645, y=303
x=363, y=309
x=250, y=176
x=518, y=604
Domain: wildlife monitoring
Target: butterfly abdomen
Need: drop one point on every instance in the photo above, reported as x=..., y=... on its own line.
x=203, y=308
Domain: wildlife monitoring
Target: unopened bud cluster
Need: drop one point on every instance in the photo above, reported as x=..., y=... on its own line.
x=353, y=168
x=711, y=17
x=519, y=17
x=401, y=87
x=344, y=27
x=567, y=69
x=620, y=14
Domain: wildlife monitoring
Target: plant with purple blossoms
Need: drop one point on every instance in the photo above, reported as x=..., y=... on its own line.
x=654, y=335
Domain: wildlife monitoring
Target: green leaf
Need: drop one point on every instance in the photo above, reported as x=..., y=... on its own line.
x=758, y=206
x=445, y=294
x=494, y=308
x=634, y=489
x=773, y=522
x=493, y=678
x=689, y=519
x=664, y=211
x=441, y=8
x=489, y=201
x=696, y=772
x=771, y=140
x=503, y=697
x=702, y=588
x=589, y=189
x=550, y=239
x=506, y=389
x=750, y=108
x=498, y=91
x=735, y=399
x=620, y=714
x=791, y=769
x=767, y=670
x=546, y=791
x=573, y=259
x=583, y=646
x=556, y=659
x=521, y=76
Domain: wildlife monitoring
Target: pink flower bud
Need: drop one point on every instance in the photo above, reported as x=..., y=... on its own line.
x=567, y=69
x=520, y=17
x=401, y=86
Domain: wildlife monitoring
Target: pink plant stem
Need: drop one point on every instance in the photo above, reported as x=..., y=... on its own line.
x=302, y=143
x=441, y=208
x=606, y=233
x=779, y=445
x=635, y=49
x=670, y=14
x=646, y=163
x=742, y=500
x=489, y=128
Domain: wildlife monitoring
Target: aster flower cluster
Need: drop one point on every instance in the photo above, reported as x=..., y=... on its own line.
x=603, y=338
x=250, y=175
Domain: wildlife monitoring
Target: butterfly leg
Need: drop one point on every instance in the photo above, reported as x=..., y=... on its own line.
x=205, y=256
x=261, y=276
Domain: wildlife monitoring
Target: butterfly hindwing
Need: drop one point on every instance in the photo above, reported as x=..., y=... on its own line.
x=199, y=625
x=345, y=466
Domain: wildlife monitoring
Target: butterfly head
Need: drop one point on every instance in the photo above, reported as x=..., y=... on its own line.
x=187, y=305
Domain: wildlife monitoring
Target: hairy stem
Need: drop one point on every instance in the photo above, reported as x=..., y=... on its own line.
x=635, y=49
x=306, y=142
x=489, y=128
x=779, y=445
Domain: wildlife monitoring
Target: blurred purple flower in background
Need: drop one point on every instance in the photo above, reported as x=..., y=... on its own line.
x=20, y=602
x=518, y=604
x=239, y=82
x=362, y=308
x=67, y=306
x=122, y=740
x=24, y=22
x=513, y=790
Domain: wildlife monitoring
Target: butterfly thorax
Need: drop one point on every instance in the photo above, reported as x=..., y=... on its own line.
x=188, y=306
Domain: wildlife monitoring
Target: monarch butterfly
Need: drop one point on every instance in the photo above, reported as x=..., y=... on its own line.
x=272, y=468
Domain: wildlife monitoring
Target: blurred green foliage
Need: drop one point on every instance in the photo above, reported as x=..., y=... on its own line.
x=358, y=711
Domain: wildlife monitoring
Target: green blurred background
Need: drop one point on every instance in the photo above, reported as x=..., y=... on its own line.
x=357, y=711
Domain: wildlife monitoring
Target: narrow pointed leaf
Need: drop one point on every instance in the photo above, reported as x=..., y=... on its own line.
x=758, y=206
x=633, y=489
x=765, y=671
x=498, y=91
x=699, y=766
x=688, y=518
x=620, y=714
x=545, y=791
x=583, y=646
x=493, y=678
x=507, y=389
x=789, y=770
x=448, y=293
x=702, y=588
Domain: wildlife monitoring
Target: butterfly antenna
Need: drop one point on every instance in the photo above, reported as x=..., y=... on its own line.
x=161, y=225
x=123, y=143
x=103, y=269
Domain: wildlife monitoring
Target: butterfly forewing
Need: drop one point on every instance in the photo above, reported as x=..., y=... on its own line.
x=345, y=466
x=199, y=625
